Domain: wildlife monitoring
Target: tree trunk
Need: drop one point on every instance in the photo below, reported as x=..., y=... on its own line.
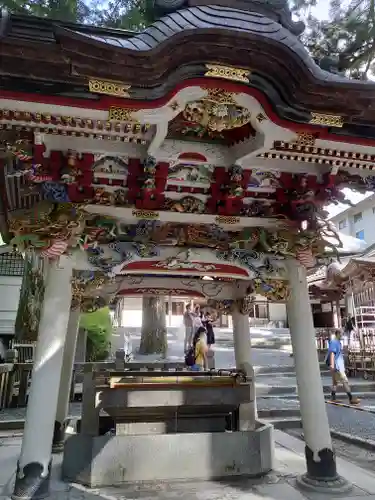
x=154, y=331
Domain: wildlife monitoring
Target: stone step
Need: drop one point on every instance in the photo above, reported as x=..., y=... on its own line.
x=279, y=413
x=294, y=397
x=267, y=390
x=263, y=370
x=259, y=376
x=282, y=423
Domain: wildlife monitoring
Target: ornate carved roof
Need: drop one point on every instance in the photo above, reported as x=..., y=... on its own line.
x=265, y=43
x=277, y=10
x=212, y=129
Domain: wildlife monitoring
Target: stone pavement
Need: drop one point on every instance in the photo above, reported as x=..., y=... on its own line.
x=278, y=485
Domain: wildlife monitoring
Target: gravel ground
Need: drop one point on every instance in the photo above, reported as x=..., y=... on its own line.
x=352, y=421
x=351, y=452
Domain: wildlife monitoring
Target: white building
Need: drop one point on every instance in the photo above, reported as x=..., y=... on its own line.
x=358, y=221
x=11, y=272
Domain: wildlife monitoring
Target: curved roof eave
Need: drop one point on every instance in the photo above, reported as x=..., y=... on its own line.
x=213, y=17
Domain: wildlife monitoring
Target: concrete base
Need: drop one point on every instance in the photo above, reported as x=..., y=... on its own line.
x=113, y=460
x=337, y=486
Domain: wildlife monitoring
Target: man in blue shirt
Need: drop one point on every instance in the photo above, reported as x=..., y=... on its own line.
x=335, y=361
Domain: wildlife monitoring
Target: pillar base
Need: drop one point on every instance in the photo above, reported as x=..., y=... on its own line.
x=30, y=484
x=329, y=487
x=58, y=437
x=322, y=474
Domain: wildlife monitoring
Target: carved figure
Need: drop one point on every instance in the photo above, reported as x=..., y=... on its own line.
x=245, y=304
x=149, y=169
x=188, y=204
x=262, y=178
x=273, y=290
x=218, y=111
x=235, y=181
x=70, y=173
x=198, y=235
x=120, y=196
x=103, y=197
x=47, y=224
x=258, y=209
x=191, y=173
x=247, y=239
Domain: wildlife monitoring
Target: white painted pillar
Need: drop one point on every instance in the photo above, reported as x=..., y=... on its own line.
x=349, y=303
x=34, y=464
x=66, y=381
x=242, y=353
x=335, y=314
x=320, y=458
x=170, y=310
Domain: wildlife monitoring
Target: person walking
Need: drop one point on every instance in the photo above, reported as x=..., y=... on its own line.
x=189, y=327
x=208, y=323
x=336, y=363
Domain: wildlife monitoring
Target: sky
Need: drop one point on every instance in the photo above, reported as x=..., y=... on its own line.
x=353, y=196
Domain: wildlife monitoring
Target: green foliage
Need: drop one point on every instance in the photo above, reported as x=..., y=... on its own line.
x=347, y=36
x=99, y=329
x=124, y=14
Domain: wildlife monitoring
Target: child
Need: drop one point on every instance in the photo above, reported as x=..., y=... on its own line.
x=197, y=357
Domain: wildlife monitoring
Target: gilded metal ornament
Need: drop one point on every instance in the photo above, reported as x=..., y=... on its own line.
x=228, y=73
x=145, y=214
x=108, y=87
x=305, y=139
x=174, y=105
x=326, y=120
x=261, y=117
x=121, y=114
x=217, y=111
x=227, y=219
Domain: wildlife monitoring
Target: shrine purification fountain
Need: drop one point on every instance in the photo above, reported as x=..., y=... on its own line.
x=140, y=163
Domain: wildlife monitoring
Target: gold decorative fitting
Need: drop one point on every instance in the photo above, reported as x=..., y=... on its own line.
x=305, y=139
x=145, y=214
x=326, y=120
x=116, y=89
x=228, y=73
x=310, y=154
x=174, y=106
x=227, y=219
x=261, y=117
x=219, y=96
x=121, y=114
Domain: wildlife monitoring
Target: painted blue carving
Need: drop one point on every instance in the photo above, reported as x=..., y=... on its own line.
x=370, y=181
x=54, y=191
x=248, y=259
